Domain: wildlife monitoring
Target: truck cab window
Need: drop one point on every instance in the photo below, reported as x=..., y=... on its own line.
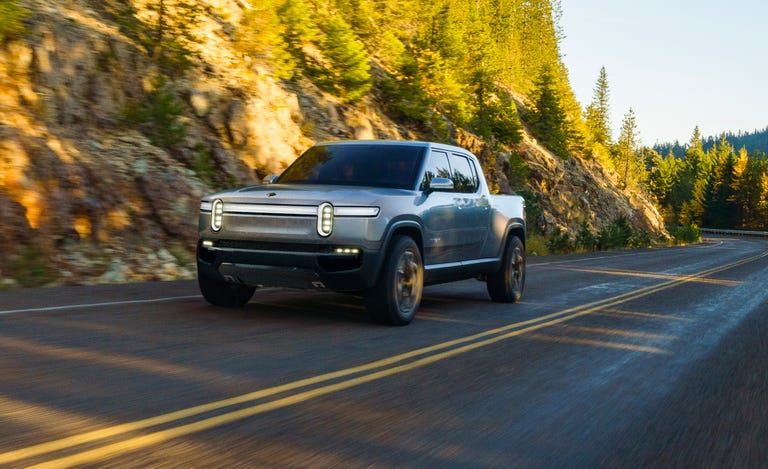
x=437, y=166
x=464, y=174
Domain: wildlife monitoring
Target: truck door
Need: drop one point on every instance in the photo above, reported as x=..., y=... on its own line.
x=472, y=206
x=439, y=215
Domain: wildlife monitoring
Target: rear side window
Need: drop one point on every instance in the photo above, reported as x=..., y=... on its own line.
x=464, y=174
x=437, y=167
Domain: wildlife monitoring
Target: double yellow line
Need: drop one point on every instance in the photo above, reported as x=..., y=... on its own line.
x=330, y=383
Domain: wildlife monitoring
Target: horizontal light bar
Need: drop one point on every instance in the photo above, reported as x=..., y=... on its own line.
x=356, y=211
x=295, y=210
x=347, y=251
x=207, y=244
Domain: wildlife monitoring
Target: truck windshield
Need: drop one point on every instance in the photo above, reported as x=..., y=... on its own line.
x=375, y=165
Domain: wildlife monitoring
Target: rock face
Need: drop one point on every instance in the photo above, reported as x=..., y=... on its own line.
x=86, y=197
x=574, y=191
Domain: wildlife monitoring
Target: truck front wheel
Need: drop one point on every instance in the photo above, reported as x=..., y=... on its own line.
x=397, y=294
x=506, y=284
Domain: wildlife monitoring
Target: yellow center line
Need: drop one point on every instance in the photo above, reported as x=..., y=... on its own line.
x=473, y=342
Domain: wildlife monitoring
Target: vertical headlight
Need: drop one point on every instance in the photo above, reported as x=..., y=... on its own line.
x=217, y=214
x=324, y=219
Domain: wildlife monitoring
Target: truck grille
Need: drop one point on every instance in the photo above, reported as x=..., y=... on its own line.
x=269, y=246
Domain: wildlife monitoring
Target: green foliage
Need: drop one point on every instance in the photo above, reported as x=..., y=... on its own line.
x=497, y=118
x=444, y=63
x=549, y=119
x=640, y=239
x=391, y=51
x=616, y=235
x=534, y=213
x=720, y=210
x=664, y=175
x=202, y=164
x=717, y=187
x=299, y=26
x=158, y=116
x=686, y=234
x=30, y=267
x=347, y=73
x=12, y=19
x=560, y=242
x=536, y=245
x=627, y=159
x=598, y=112
x=518, y=171
x=405, y=99
x=585, y=239
x=440, y=83
x=263, y=35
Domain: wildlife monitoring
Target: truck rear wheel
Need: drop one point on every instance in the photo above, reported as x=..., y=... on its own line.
x=397, y=294
x=506, y=284
x=220, y=293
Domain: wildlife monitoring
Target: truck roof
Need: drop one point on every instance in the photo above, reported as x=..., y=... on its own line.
x=415, y=143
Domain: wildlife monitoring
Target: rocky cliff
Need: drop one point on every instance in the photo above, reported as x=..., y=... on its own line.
x=87, y=195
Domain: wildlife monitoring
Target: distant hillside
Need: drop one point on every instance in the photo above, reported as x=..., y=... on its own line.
x=754, y=142
x=116, y=116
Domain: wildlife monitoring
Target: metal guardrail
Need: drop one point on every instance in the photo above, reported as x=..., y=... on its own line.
x=760, y=234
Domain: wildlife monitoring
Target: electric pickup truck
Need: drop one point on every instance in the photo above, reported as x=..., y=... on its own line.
x=379, y=219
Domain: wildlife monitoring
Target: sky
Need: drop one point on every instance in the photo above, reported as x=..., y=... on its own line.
x=676, y=63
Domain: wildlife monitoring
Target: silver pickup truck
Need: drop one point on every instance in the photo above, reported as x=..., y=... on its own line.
x=376, y=218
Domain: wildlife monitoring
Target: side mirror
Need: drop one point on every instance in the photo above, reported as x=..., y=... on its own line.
x=269, y=179
x=439, y=184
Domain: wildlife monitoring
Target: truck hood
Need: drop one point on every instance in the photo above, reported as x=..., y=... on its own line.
x=301, y=194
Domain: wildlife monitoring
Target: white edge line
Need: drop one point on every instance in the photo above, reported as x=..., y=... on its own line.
x=96, y=305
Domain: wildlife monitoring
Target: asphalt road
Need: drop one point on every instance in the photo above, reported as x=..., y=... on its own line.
x=621, y=359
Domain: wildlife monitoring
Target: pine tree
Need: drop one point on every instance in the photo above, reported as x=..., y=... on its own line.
x=749, y=173
x=299, y=26
x=261, y=35
x=348, y=73
x=693, y=179
x=628, y=161
x=549, y=119
x=720, y=210
x=598, y=112
x=664, y=175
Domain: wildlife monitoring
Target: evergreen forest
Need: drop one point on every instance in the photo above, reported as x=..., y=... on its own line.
x=482, y=65
x=712, y=184
x=492, y=66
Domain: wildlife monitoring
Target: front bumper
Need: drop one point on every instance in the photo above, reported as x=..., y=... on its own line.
x=308, y=266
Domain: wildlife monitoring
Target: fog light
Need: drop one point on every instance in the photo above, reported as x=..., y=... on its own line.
x=217, y=214
x=325, y=219
x=347, y=251
x=207, y=244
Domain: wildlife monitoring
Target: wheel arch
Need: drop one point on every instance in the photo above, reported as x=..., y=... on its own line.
x=406, y=227
x=516, y=229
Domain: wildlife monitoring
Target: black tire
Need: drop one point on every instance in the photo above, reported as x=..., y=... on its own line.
x=506, y=284
x=397, y=294
x=220, y=293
